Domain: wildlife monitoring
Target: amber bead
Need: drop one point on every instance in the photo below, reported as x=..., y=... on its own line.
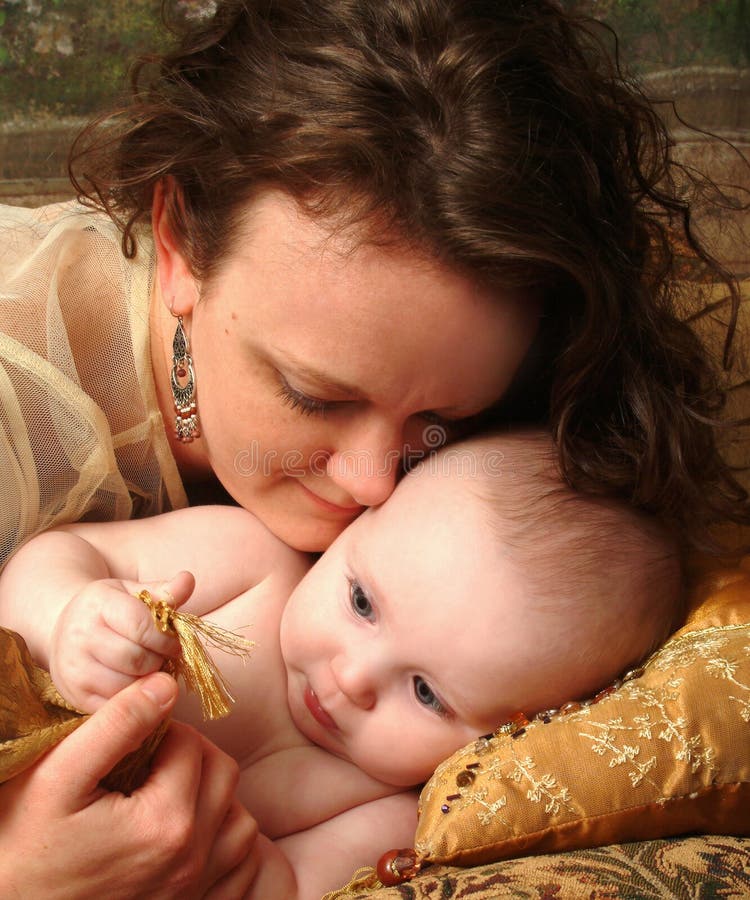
x=605, y=693
x=397, y=866
x=465, y=778
x=633, y=673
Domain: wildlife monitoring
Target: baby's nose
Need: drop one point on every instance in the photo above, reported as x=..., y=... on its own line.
x=355, y=680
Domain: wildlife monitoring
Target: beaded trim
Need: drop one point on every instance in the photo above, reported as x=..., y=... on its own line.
x=515, y=727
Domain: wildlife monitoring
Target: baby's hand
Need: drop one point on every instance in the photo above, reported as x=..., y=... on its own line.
x=106, y=638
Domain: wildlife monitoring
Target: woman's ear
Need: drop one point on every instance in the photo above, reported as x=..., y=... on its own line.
x=178, y=286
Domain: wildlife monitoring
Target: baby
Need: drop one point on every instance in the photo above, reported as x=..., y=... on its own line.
x=484, y=586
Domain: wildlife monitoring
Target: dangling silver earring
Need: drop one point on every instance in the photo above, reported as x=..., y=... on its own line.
x=186, y=425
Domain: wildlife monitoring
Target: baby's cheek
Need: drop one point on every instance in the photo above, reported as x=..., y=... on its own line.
x=436, y=749
x=407, y=763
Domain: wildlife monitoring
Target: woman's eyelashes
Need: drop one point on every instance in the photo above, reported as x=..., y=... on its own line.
x=308, y=405
x=303, y=403
x=360, y=602
x=427, y=697
x=433, y=418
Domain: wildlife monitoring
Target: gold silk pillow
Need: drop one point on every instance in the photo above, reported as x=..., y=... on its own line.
x=665, y=753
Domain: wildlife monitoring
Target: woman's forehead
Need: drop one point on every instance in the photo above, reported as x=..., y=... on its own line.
x=376, y=319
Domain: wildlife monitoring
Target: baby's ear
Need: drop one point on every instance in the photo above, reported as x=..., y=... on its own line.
x=177, y=285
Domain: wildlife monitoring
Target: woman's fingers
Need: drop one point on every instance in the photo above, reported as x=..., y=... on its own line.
x=233, y=863
x=173, y=838
x=77, y=764
x=223, y=832
x=238, y=881
x=220, y=775
x=177, y=765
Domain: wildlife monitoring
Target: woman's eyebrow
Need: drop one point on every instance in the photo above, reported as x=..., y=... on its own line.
x=327, y=381
x=308, y=371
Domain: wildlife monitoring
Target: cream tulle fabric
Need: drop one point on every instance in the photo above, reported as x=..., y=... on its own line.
x=81, y=435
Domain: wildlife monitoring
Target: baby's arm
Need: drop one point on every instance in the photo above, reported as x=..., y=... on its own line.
x=79, y=620
x=70, y=591
x=306, y=865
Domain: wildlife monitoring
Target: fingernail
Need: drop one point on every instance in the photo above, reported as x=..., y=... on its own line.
x=159, y=687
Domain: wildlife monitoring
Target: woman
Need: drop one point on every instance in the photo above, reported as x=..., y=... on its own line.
x=368, y=221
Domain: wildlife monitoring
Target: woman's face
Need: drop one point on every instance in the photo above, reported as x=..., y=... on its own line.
x=321, y=362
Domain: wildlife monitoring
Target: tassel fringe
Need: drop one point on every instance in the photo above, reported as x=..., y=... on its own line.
x=195, y=665
x=364, y=879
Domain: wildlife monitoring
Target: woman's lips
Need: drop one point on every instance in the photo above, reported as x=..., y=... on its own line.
x=317, y=711
x=347, y=511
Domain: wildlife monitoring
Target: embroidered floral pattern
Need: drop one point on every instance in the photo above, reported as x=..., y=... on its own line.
x=728, y=670
x=670, y=734
x=605, y=741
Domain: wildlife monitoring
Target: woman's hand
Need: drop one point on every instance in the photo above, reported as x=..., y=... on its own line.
x=105, y=638
x=181, y=835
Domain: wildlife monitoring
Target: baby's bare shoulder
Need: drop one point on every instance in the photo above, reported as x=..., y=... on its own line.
x=242, y=534
x=227, y=540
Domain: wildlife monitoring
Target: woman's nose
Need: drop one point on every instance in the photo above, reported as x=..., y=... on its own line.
x=367, y=469
x=354, y=678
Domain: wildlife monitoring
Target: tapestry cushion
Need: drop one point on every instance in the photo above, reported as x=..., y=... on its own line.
x=688, y=868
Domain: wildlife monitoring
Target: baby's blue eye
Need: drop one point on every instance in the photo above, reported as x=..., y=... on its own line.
x=359, y=601
x=427, y=696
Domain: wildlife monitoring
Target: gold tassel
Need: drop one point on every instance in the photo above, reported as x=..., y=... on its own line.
x=364, y=879
x=194, y=664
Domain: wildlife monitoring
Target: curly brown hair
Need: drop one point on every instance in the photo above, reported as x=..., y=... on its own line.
x=499, y=136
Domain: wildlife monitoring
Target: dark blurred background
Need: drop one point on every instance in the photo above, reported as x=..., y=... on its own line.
x=62, y=61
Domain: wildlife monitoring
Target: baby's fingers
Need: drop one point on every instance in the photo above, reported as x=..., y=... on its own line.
x=131, y=618
x=125, y=656
x=177, y=590
x=94, y=686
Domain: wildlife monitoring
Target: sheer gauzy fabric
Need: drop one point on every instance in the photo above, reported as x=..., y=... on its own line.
x=81, y=434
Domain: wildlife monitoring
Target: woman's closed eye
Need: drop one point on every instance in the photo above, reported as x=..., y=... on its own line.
x=427, y=697
x=360, y=602
x=302, y=402
x=433, y=418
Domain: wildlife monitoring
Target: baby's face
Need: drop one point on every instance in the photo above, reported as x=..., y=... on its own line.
x=411, y=636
